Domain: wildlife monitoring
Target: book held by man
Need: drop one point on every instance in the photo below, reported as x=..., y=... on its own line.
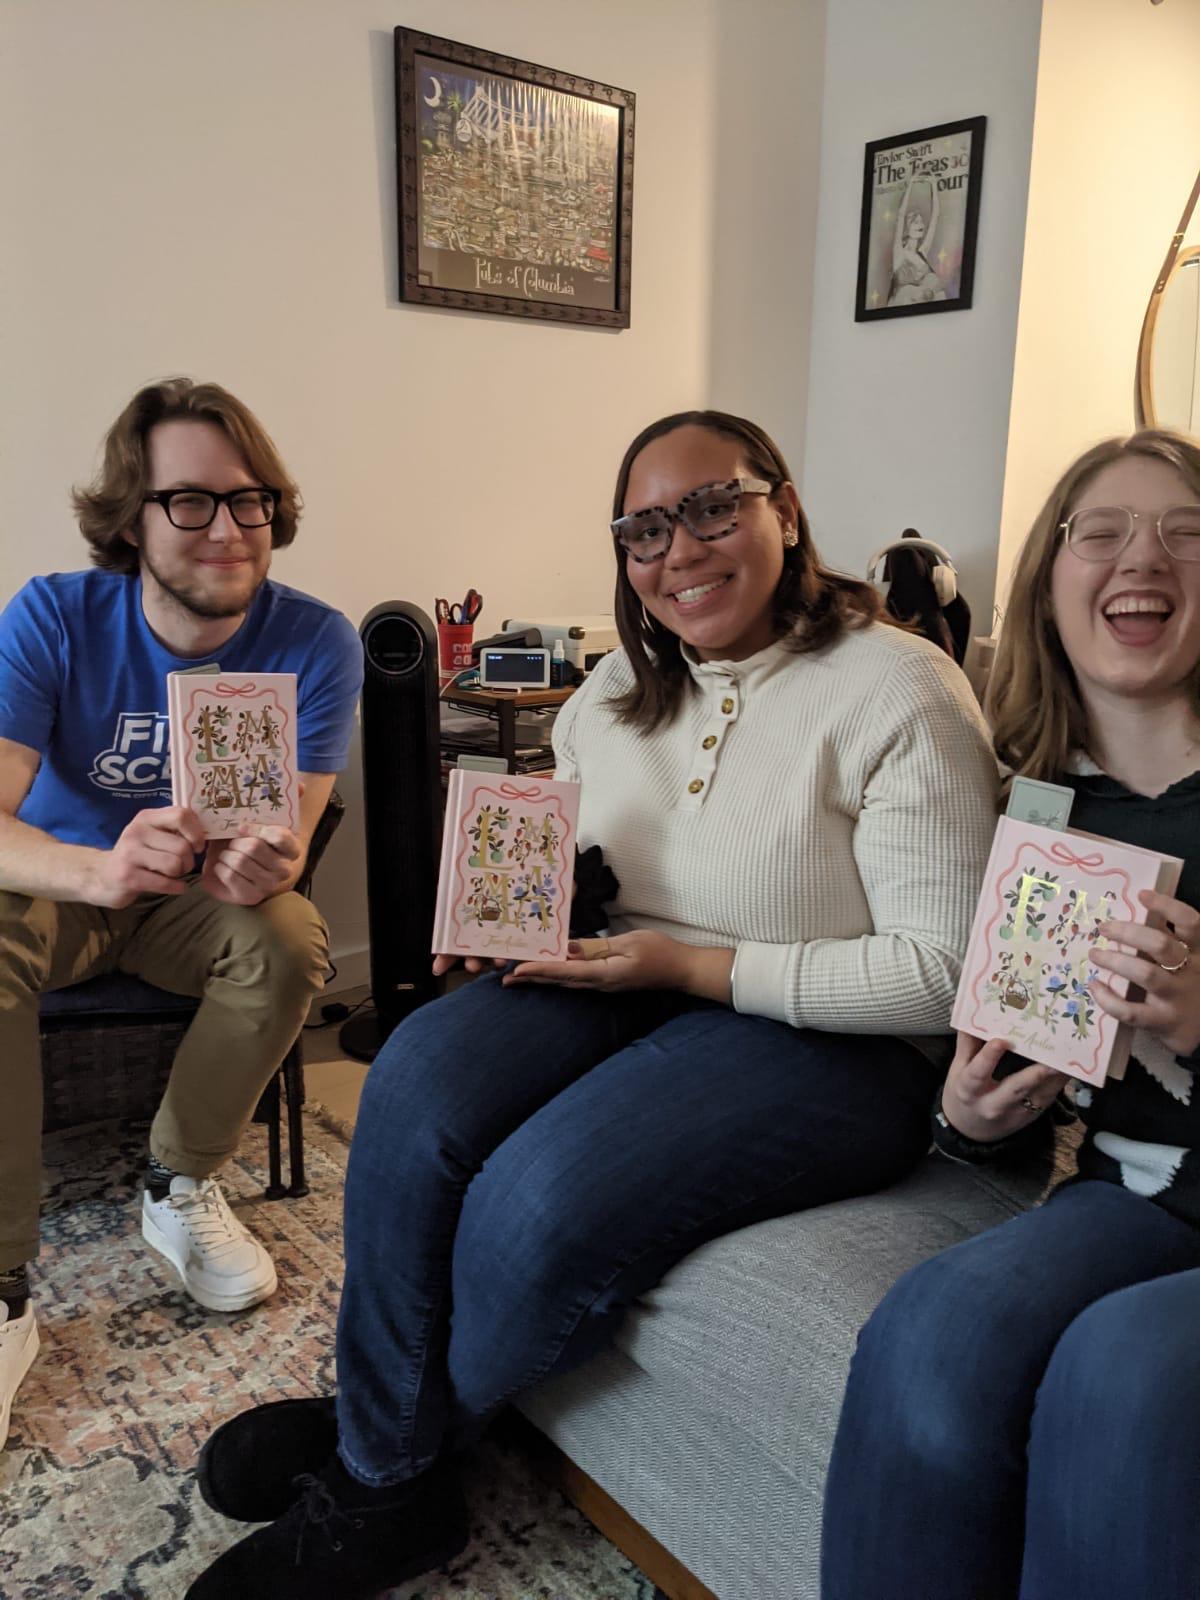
x=1028, y=973
x=233, y=748
x=508, y=864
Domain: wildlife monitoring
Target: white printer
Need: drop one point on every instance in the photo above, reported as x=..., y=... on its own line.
x=585, y=639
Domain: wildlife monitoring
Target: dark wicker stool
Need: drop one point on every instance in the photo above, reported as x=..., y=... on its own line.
x=107, y=1048
x=108, y=1045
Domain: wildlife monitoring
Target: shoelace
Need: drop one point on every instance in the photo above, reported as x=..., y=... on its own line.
x=320, y=1511
x=208, y=1218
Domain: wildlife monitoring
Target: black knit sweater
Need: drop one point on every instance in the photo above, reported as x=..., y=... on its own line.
x=1143, y=1130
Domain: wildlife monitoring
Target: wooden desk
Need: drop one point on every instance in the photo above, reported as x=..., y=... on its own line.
x=504, y=707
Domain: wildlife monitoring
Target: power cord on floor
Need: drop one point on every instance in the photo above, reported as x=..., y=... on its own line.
x=336, y=1011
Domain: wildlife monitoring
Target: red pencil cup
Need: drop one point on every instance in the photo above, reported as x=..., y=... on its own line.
x=454, y=649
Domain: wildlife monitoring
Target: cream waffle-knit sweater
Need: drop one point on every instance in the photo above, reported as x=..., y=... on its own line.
x=828, y=816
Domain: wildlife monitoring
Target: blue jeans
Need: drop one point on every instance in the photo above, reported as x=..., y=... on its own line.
x=528, y=1161
x=1023, y=1416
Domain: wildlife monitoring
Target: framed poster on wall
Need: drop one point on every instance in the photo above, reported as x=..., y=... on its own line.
x=515, y=185
x=920, y=216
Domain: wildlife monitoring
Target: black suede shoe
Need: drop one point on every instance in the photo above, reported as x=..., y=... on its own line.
x=248, y=1469
x=343, y=1539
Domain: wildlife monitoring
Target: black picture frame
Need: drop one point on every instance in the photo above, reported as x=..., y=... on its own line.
x=514, y=185
x=898, y=274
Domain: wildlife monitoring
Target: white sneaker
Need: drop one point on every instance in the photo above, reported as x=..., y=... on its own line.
x=18, y=1346
x=222, y=1266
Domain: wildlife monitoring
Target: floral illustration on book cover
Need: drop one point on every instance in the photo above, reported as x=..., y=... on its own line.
x=238, y=759
x=1029, y=971
x=512, y=852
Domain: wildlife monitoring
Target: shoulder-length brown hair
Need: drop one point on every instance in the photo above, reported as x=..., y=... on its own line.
x=111, y=505
x=812, y=603
x=1033, y=702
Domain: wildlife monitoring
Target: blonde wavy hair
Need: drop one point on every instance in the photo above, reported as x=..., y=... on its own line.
x=1033, y=702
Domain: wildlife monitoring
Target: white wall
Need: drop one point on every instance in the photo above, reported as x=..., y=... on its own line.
x=907, y=418
x=1116, y=145
x=209, y=189
x=768, y=71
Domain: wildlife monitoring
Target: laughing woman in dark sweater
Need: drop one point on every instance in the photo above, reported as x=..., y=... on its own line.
x=1023, y=1412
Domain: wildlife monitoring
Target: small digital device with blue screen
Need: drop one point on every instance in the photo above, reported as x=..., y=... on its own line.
x=514, y=669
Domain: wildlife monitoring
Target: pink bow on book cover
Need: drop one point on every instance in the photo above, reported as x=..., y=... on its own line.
x=508, y=867
x=233, y=748
x=1028, y=972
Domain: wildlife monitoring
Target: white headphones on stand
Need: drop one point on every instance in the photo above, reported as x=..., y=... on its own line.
x=943, y=576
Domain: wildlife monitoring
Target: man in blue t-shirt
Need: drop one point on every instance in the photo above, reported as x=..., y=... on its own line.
x=100, y=872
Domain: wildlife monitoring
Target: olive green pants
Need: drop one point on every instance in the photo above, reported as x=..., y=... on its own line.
x=254, y=969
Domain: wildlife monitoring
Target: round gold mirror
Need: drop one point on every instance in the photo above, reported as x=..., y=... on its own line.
x=1167, y=393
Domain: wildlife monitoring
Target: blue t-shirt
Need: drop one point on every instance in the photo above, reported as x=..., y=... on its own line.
x=83, y=681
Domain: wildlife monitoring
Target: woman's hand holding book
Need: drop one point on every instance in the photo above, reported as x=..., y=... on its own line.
x=1165, y=965
x=987, y=1109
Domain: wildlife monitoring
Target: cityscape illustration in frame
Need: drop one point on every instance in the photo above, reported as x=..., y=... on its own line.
x=515, y=185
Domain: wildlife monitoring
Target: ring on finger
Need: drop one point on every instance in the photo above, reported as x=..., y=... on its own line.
x=1179, y=965
x=1030, y=1105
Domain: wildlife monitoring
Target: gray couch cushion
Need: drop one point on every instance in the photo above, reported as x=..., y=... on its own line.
x=712, y=1420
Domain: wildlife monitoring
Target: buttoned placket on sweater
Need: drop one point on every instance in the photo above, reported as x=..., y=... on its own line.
x=722, y=696
x=827, y=815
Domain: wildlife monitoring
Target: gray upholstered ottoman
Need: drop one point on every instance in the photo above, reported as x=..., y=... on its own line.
x=712, y=1418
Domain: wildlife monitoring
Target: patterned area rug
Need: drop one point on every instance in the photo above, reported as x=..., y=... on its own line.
x=97, y=1496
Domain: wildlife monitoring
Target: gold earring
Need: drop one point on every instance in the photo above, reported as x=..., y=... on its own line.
x=791, y=538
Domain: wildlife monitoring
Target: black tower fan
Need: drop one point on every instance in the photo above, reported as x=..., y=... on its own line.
x=402, y=801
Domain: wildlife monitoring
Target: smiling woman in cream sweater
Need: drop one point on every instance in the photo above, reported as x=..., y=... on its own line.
x=797, y=799
x=822, y=818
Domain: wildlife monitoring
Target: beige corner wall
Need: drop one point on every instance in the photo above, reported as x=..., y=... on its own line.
x=907, y=418
x=1116, y=145
x=207, y=187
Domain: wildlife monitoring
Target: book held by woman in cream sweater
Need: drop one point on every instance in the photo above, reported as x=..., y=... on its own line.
x=1028, y=973
x=233, y=748
x=507, y=871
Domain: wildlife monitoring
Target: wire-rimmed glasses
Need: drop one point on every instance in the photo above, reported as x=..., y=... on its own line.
x=1100, y=533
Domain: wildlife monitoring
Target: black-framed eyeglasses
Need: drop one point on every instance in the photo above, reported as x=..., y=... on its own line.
x=710, y=512
x=196, y=508
x=1100, y=533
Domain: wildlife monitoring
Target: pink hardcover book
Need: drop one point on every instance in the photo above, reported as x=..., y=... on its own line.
x=233, y=748
x=1028, y=970
x=508, y=867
